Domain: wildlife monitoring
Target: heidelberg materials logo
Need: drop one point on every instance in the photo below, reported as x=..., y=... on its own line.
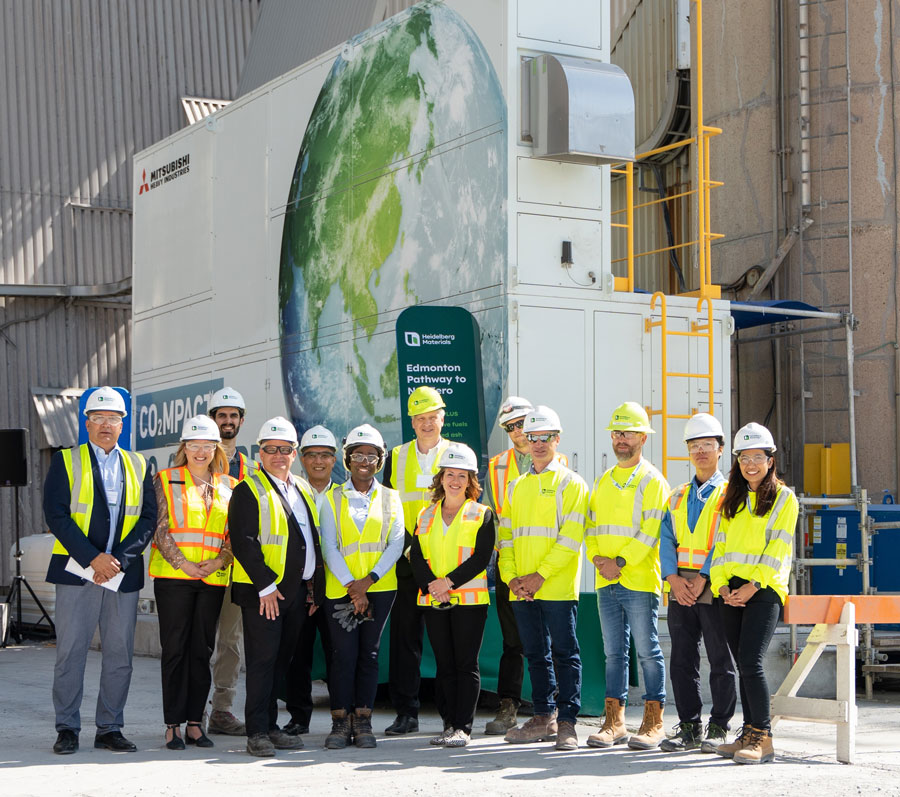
x=165, y=174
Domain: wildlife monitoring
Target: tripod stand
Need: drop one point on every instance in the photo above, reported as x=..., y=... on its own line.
x=15, y=592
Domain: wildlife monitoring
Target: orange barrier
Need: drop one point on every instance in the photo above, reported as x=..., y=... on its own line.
x=813, y=609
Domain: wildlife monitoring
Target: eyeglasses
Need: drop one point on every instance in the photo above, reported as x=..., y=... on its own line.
x=277, y=449
x=206, y=448
x=513, y=425
x=364, y=459
x=104, y=420
x=542, y=437
x=702, y=446
x=756, y=459
x=617, y=435
x=318, y=455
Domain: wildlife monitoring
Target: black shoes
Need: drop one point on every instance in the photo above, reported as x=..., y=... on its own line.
x=403, y=724
x=201, y=741
x=113, y=740
x=296, y=728
x=176, y=742
x=66, y=743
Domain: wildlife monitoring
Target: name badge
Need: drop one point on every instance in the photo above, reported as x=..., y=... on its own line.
x=424, y=480
x=112, y=497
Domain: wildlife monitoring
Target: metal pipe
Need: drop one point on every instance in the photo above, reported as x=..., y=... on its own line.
x=868, y=652
x=752, y=308
x=851, y=401
x=831, y=500
x=828, y=562
x=789, y=332
x=803, y=25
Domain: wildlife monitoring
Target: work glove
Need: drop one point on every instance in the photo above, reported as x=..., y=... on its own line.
x=348, y=619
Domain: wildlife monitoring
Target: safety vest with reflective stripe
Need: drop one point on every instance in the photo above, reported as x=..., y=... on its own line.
x=273, y=523
x=246, y=466
x=81, y=490
x=198, y=534
x=693, y=545
x=541, y=530
x=502, y=469
x=752, y=547
x=362, y=549
x=624, y=521
x=405, y=474
x=446, y=551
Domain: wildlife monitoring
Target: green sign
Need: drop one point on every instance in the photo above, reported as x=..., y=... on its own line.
x=441, y=347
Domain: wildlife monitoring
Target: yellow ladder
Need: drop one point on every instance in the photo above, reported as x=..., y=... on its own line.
x=698, y=330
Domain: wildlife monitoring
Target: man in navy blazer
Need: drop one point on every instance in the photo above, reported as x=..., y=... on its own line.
x=100, y=504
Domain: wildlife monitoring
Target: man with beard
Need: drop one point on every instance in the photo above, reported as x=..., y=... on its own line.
x=226, y=408
x=627, y=504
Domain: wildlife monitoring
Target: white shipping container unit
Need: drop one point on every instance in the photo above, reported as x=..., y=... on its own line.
x=276, y=242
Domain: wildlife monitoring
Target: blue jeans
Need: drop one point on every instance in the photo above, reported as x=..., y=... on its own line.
x=624, y=611
x=547, y=630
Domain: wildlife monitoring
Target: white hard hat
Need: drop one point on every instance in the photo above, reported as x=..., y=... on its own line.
x=542, y=419
x=107, y=399
x=200, y=427
x=458, y=455
x=514, y=407
x=753, y=435
x=318, y=436
x=702, y=425
x=226, y=397
x=365, y=435
x=277, y=428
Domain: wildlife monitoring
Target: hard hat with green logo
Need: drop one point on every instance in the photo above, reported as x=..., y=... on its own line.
x=630, y=417
x=365, y=435
x=459, y=456
x=226, y=397
x=542, y=419
x=277, y=428
x=200, y=427
x=105, y=399
x=424, y=399
x=317, y=436
x=753, y=435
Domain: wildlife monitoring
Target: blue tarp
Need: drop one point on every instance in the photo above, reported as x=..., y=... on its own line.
x=744, y=319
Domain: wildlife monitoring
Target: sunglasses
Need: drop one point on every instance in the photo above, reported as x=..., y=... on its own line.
x=542, y=437
x=364, y=459
x=513, y=425
x=276, y=449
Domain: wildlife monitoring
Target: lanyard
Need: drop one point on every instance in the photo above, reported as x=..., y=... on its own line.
x=630, y=478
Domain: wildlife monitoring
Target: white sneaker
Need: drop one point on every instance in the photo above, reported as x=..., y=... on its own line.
x=458, y=738
x=442, y=738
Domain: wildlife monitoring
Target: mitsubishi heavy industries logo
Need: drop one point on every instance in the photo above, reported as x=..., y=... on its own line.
x=165, y=173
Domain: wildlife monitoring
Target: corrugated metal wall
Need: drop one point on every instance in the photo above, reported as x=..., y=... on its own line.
x=85, y=84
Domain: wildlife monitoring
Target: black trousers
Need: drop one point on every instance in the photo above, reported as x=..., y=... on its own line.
x=511, y=669
x=406, y=637
x=687, y=625
x=456, y=635
x=749, y=630
x=298, y=697
x=188, y=610
x=268, y=647
x=354, y=654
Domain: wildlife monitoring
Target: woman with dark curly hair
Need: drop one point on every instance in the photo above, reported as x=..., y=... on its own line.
x=753, y=531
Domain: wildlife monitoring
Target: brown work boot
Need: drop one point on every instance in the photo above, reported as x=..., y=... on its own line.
x=540, y=728
x=224, y=722
x=361, y=728
x=341, y=733
x=505, y=719
x=757, y=748
x=728, y=750
x=566, y=738
x=613, y=730
x=651, y=732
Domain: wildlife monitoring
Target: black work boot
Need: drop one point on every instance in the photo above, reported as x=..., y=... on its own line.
x=361, y=727
x=341, y=733
x=687, y=737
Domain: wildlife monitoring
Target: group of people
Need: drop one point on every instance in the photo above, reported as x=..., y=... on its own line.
x=255, y=551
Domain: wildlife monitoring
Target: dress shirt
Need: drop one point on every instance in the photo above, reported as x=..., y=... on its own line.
x=295, y=501
x=113, y=482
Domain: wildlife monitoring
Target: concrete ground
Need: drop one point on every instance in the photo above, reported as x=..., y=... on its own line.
x=805, y=765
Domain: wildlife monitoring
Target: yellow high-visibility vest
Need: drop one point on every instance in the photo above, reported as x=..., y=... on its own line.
x=405, y=475
x=361, y=550
x=246, y=466
x=445, y=552
x=502, y=470
x=624, y=521
x=198, y=534
x=751, y=547
x=541, y=531
x=273, y=523
x=81, y=490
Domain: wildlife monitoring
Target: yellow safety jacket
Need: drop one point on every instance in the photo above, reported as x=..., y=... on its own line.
x=246, y=466
x=81, y=490
x=502, y=469
x=273, y=523
x=445, y=552
x=623, y=520
x=362, y=549
x=198, y=534
x=754, y=548
x=405, y=476
x=541, y=531
x=693, y=546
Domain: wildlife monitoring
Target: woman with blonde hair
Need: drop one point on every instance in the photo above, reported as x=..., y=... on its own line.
x=190, y=563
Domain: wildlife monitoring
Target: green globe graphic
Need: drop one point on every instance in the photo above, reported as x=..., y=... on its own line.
x=398, y=198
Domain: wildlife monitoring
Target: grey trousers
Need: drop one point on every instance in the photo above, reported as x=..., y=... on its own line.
x=226, y=668
x=79, y=610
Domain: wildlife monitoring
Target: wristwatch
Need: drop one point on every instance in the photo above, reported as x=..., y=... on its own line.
x=620, y=561
x=374, y=576
x=756, y=584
